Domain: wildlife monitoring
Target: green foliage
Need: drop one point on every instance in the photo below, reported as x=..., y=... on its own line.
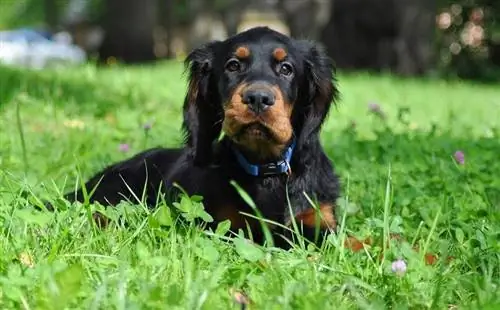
x=21, y=13
x=398, y=175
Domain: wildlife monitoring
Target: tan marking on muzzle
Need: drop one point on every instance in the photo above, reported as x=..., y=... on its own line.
x=276, y=119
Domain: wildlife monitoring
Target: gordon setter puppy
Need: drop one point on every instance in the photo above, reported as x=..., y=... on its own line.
x=253, y=112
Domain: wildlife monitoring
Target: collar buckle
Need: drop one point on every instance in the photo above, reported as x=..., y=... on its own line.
x=273, y=168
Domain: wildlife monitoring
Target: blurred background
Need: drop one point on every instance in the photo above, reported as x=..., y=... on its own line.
x=441, y=38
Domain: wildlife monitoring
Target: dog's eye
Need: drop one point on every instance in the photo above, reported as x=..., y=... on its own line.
x=233, y=65
x=285, y=69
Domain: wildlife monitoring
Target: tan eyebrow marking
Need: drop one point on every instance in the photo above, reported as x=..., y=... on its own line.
x=242, y=52
x=279, y=54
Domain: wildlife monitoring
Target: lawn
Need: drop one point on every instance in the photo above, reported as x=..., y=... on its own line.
x=393, y=142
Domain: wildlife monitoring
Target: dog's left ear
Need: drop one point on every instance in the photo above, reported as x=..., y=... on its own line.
x=202, y=111
x=321, y=91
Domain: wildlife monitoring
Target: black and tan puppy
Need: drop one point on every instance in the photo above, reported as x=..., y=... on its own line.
x=269, y=95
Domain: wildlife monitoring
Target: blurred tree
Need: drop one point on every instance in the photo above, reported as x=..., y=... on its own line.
x=230, y=12
x=411, y=37
x=202, y=15
x=381, y=35
x=80, y=18
x=402, y=37
x=166, y=29
x=305, y=18
x=128, y=31
x=51, y=17
x=415, y=24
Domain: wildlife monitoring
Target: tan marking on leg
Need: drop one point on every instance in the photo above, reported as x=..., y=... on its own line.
x=325, y=218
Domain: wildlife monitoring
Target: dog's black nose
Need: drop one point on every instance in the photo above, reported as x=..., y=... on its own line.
x=258, y=99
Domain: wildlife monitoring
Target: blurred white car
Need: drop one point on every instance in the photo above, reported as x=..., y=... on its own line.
x=31, y=49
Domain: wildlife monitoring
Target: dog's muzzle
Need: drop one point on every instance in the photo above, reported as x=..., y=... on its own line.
x=259, y=97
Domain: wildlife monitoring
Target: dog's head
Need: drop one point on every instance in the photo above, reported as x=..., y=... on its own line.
x=260, y=88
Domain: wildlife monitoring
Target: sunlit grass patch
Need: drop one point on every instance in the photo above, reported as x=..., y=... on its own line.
x=417, y=158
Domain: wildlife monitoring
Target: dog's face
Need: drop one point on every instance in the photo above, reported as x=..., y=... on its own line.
x=260, y=88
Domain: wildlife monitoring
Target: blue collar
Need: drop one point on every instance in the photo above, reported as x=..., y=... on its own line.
x=272, y=168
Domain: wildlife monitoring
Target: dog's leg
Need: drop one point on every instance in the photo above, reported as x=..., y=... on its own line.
x=136, y=179
x=115, y=183
x=314, y=223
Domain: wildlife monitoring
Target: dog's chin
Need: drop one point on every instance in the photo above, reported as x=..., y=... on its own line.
x=254, y=133
x=258, y=142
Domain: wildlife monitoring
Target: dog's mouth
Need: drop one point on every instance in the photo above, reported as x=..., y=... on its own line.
x=255, y=131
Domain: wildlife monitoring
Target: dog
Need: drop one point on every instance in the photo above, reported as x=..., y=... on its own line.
x=252, y=115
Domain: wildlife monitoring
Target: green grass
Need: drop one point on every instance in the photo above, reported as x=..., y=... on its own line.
x=398, y=176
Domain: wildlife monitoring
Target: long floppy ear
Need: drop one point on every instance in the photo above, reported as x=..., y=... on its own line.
x=321, y=90
x=202, y=110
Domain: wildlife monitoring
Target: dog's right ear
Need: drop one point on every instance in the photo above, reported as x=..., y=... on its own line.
x=202, y=111
x=321, y=91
